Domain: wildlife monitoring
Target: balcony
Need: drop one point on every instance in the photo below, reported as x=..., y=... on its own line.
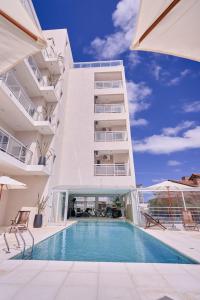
x=111, y=170
x=98, y=64
x=49, y=59
x=19, y=108
x=11, y=82
x=109, y=108
x=110, y=136
x=14, y=148
x=36, y=83
x=113, y=84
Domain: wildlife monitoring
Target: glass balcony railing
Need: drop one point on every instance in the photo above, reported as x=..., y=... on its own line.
x=110, y=136
x=11, y=82
x=98, y=64
x=108, y=84
x=36, y=70
x=15, y=148
x=111, y=170
x=109, y=108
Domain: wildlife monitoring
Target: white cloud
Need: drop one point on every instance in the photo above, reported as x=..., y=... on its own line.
x=176, y=80
x=124, y=19
x=163, y=144
x=192, y=107
x=137, y=97
x=158, y=180
x=175, y=130
x=134, y=59
x=173, y=163
x=138, y=122
x=137, y=94
x=156, y=71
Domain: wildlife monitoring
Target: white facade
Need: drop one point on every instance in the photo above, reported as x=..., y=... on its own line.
x=74, y=115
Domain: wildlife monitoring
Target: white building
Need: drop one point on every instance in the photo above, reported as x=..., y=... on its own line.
x=64, y=130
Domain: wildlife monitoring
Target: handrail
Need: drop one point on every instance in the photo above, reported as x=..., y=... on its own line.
x=97, y=64
x=15, y=148
x=111, y=169
x=109, y=84
x=109, y=108
x=11, y=82
x=110, y=136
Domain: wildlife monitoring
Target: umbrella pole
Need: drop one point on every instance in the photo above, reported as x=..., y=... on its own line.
x=170, y=208
x=1, y=190
x=183, y=198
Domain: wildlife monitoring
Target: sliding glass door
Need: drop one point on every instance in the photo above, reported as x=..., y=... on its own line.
x=59, y=207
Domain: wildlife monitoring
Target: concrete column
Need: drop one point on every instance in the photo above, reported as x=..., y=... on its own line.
x=66, y=205
x=134, y=203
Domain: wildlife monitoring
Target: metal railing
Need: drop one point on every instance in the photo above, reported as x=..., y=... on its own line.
x=111, y=170
x=11, y=82
x=98, y=64
x=173, y=214
x=49, y=52
x=36, y=70
x=108, y=84
x=110, y=136
x=15, y=148
x=109, y=108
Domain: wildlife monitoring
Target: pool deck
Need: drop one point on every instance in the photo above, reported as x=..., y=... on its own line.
x=54, y=280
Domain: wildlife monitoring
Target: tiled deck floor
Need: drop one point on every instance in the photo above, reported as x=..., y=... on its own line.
x=48, y=280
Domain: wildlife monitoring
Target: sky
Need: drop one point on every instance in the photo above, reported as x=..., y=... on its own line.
x=163, y=90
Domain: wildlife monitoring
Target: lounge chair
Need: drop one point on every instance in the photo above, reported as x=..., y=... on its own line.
x=151, y=222
x=188, y=222
x=21, y=221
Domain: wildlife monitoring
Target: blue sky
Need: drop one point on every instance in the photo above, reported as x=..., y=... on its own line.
x=164, y=96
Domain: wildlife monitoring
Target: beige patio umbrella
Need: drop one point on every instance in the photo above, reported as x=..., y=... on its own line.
x=7, y=183
x=170, y=186
x=19, y=34
x=170, y=27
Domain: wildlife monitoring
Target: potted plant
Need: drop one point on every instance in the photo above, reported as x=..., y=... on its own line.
x=48, y=112
x=43, y=148
x=41, y=204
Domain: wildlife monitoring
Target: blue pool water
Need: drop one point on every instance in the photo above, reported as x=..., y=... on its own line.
x=105, y=241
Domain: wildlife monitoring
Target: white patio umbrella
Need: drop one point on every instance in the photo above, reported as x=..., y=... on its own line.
x=19, y=34
x=7, y=183
x=170, y=27
x=170, y=186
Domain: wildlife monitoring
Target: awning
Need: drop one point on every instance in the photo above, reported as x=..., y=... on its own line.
x=19, y=36
x=170, y=27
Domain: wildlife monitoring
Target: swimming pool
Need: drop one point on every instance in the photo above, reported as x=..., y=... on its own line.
x=105, y=241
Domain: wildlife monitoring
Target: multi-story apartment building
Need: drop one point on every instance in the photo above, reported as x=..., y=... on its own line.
x=64, y=130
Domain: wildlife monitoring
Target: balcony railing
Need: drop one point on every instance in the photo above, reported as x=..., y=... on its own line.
x=110, y=136
x=115, y=84
x=36, y=70
x=13, y=147
x=98, y=64
x=169, y=215
x=111, y=170
x=49, y=52
x=109, y=108
x=11, y=82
